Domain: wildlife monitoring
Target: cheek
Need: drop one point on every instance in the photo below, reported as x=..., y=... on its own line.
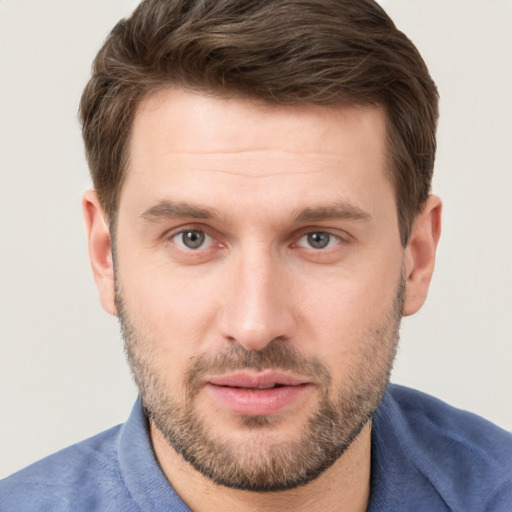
x=345, y=311
x=172, y=315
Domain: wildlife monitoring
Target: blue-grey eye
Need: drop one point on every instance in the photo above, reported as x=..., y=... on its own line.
x=192, y=239
x=318, y=240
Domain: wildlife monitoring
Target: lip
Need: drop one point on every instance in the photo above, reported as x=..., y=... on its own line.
x=265, y=379
x=257, y=393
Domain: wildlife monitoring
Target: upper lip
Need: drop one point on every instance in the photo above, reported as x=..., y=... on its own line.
x=258, y=380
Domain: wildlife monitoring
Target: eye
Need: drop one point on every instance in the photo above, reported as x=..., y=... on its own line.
x=318, y=240
x=192, y=239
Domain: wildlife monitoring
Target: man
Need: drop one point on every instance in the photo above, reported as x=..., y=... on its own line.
x=260, y=222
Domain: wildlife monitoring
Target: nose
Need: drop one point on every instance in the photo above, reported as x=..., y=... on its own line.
x=258, y=307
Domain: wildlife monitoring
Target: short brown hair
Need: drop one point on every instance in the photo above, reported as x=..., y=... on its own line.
x=277, y=51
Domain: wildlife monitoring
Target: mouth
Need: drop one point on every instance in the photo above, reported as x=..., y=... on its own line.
x=257, y=393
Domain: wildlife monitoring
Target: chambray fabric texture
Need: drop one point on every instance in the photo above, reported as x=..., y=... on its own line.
x=426, y=457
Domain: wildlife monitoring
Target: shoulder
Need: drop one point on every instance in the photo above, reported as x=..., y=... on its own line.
x=71, y=479
x=467, y=459
x=434, y=421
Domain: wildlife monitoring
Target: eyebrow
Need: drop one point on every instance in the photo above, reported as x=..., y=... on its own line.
x=338, y=211
x=167, y=209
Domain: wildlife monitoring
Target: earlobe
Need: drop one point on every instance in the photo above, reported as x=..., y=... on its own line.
x=100, y=249
x=420, y=255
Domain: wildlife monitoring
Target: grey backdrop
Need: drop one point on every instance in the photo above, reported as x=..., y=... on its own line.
x=62, y=370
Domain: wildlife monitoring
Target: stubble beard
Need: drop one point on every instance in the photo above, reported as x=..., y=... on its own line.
x=260, y=465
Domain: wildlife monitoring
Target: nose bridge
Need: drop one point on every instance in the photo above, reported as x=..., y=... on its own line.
x=257, y=310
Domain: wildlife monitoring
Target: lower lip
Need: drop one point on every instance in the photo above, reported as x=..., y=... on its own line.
x=260, y=402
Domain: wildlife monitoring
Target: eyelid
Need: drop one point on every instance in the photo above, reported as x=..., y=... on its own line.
x=330, y=245
x=337, y=232
x=209, y=240
x=341, y=236
x=169, y=234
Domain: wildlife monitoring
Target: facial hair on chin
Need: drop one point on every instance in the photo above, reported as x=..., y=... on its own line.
x=338, y=419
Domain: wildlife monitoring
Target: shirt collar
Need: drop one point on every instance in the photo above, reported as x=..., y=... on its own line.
x=143, y=478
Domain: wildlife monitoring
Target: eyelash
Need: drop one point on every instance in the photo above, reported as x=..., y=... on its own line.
x=211, y=238
x=331, y=238
x=184, y=232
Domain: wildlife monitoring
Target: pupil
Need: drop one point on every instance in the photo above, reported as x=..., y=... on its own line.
x=318, y=240
x=193, y=239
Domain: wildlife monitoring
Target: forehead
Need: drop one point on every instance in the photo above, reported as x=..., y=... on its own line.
x=197, y=147
x=167, y=117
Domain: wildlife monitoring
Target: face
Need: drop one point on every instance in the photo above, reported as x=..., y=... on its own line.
x=259, y=281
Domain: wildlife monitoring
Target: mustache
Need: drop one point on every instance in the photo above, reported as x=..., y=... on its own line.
x=276, y=355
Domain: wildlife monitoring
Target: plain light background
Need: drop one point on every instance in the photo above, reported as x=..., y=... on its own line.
x=62, y=370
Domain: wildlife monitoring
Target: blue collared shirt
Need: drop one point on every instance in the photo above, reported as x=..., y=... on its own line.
x=426, y=457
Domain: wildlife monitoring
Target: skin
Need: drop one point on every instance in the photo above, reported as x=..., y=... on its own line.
x=271, y=175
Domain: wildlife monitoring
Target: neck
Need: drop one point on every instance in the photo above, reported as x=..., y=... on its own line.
x=344, y=486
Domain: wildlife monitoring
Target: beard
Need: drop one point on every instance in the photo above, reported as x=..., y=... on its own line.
x=258, y=463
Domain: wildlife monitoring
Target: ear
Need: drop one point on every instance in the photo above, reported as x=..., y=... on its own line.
x=420, y=255
x=100, y=250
